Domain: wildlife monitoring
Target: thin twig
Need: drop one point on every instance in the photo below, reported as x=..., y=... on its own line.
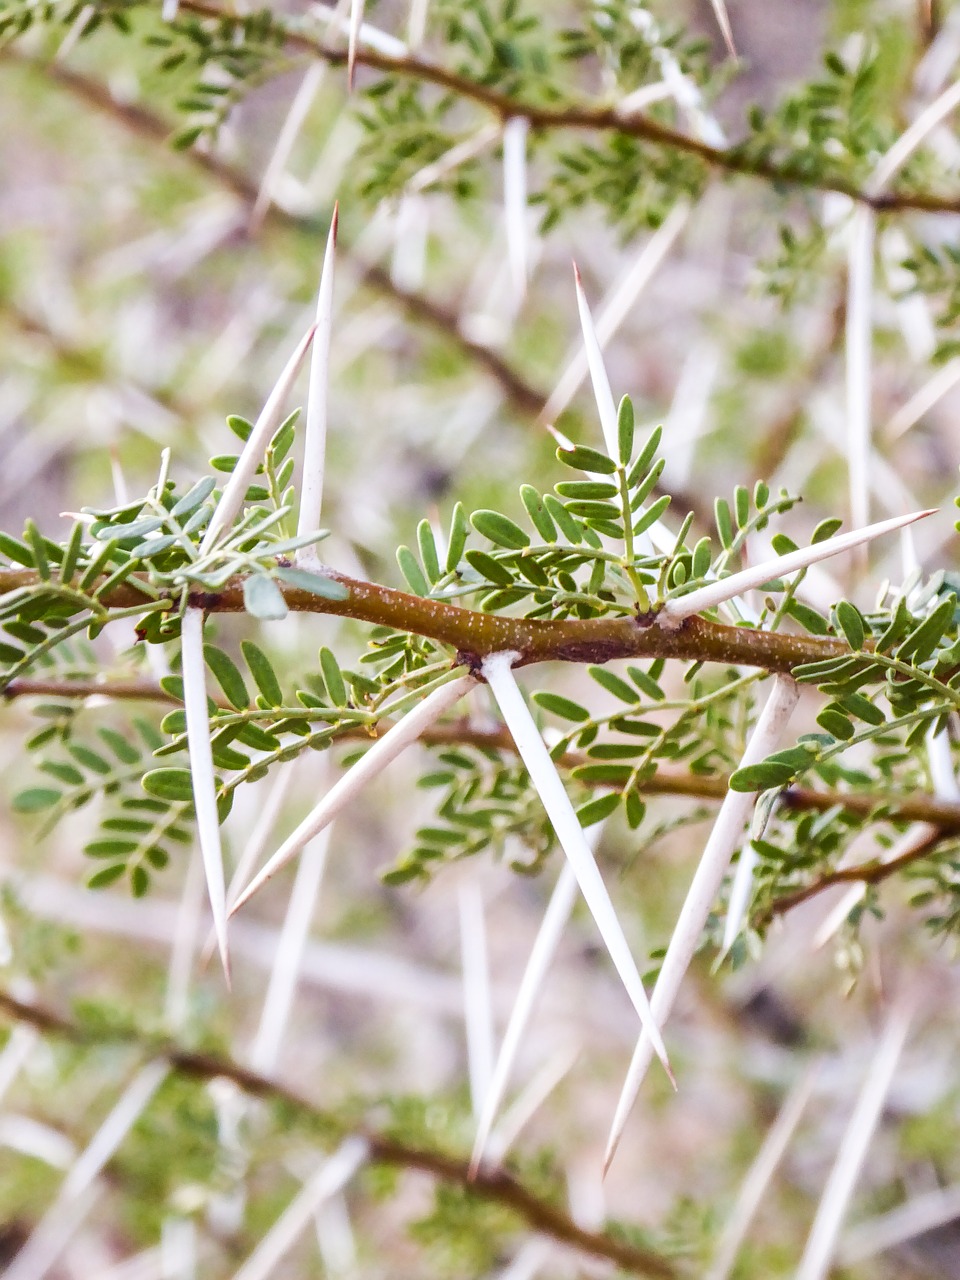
x=895, y=806
x=872, y=872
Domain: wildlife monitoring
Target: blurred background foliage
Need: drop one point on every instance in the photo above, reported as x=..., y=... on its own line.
x=148, y=289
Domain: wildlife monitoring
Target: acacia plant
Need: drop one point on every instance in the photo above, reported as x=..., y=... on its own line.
x=613, y=659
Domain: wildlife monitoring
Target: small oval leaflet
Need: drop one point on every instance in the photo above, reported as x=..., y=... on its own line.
x=227, y=675
x=582, y=458
x=262, y=598
x=566, y=708
x=332, y=677
x=614, y=684
x=459, y=529
x=194, y=497
x=410, y=568
x=850, y=623
x=835, y=723
x=598, y=809
x=537, y=511
x=107, y=875
x=761, y=777
x=317, y=583
x=625, y=427
x=169, y=784
x=500, y=529
x=35, y=799
x=262, y=672
x=489, y=568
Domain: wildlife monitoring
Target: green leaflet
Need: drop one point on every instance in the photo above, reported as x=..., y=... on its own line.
x=625, y=429
x=500, y=530
x=721, y=509
x=851, y=624
x=35, y=799
x=263, y=599
x=582, y=458
x=317, y=584
x=410, y=568
x=227, y=675
x=565, y=708
x=169, y=784
x=428, y=551
x=459, y=530
x=537, y=511
x=489, y=568
x=332, y=677
x=614, y=684
x=599, y=809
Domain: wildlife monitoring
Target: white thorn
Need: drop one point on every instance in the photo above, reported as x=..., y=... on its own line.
x=616, y=307
x=598, y=373
x=343, y=792
x=477, y=1012
x=753, y=1189
x=675, y=610
x=333, y=1174
x=315, y=431
x=893, y=160
x=516, y=214
x=859, y=340
x=288, y=957
x=286, y=139
x=353, y=38
x=821, y=1243
x=202, y=775
x=254, y=448
x=723, y=22
x=544, y=949
x=727, y=832
x=497, y=670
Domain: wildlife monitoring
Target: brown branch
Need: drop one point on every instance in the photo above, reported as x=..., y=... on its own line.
x=872, y=872
x=474, y=635
x=122, y=690
x=733, y=160
x=492, y=1184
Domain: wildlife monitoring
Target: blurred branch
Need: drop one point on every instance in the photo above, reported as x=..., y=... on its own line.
x=136, y=119
x=872, y=872
x=496, y=1185
x=523, y=397
x=605, y=119
x=781, y=434
x=84, y=362
x=121, y=690
x=894, y=806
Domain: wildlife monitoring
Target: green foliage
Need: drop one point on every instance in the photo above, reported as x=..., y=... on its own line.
x=888, y=697
x=832, y=127
x=935, y=269
x=646, y=719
